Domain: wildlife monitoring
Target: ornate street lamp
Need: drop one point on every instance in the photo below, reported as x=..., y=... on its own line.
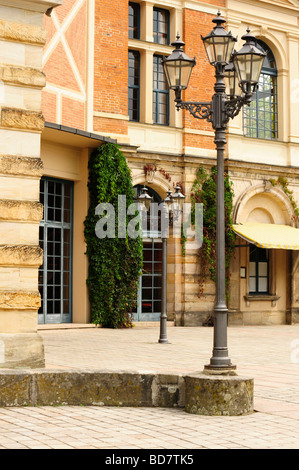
x=144, y=198
x=248, y=63
x=179, y=68
x=173, y=202
x=177, y=199
x=242, y=69
x=219, y=43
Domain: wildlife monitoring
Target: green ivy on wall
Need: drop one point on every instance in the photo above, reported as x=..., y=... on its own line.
x=284, y=185
x=204, y=191
x=114, y=263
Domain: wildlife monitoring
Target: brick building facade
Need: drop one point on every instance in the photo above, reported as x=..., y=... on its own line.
x=102, y=60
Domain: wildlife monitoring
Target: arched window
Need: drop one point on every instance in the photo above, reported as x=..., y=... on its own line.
x=260, y=119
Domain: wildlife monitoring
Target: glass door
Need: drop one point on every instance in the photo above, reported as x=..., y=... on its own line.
x=55, y=275
x=150, y=283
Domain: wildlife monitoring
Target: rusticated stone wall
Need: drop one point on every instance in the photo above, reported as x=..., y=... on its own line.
x=21, y=122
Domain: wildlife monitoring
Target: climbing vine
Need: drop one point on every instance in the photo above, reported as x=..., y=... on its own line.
x=148, y=168
x=284, y=185
x=204, y=191
x=115, y=263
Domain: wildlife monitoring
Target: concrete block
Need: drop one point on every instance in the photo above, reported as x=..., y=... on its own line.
x=15, y=388
x=168, y=391
x=93, y=388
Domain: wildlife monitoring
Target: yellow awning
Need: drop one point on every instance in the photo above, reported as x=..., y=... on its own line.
x=269, y=235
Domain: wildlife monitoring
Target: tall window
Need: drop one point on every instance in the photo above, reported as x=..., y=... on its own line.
x=260, y=118
x=134, y=20
x=161, y=26
x=55, y=237
x=258, y=270
x=149, y=302
x=134, y=85
x=160, y=94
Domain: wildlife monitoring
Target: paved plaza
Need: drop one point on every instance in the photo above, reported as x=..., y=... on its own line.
x=269, y=354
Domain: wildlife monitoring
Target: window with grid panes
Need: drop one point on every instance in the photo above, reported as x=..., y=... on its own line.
x=161, y=26
x=149, y=300
x=134, y=20
x=160, y=93
x=260, y=119
x=134, y=85
x=258, y=270
x=55, y=238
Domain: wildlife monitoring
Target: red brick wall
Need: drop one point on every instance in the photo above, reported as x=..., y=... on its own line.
x=111, y=63
x=49, y=106
x=73, y=113
x=63, y=99
x=201, y=86
x=111, y=67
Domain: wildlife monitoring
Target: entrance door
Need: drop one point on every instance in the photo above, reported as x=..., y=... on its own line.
x=150, y=283
x=55, y=275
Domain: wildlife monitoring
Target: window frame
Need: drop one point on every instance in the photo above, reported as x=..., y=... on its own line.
x=256, y=258
x=133, y=86
x=158, y=22
x=46, y=224
x=252, y=116
x=136, y=19
x=159, y=91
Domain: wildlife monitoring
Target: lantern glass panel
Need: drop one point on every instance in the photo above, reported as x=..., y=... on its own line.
x=257, y=63
x=230, y=83
x=178, y=73
x=209, y=45
x=219, y=48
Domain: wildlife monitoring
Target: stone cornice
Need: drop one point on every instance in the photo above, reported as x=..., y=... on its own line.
x=16, y=165
x=19, y=32
x=21, y=255
x=22, y=76
x=20, y=300
x=20, y=210
x=21, y=119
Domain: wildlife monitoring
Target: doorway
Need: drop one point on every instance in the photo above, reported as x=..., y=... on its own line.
x=55, y=238
x=149, y=300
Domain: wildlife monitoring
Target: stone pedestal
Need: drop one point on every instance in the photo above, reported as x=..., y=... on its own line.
x=216, y=395
x=22, y=38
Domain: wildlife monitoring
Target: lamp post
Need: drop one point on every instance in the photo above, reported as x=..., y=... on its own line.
x=173, y=202
x=241, y=70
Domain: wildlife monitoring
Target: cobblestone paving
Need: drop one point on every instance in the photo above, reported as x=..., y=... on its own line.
x=268, y=354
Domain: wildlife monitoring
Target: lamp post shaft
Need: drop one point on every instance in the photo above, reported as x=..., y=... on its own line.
x=163, y=318
x=220, y=357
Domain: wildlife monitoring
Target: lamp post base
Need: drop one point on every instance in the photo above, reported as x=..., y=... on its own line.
x=226, y=370
x=218, y=395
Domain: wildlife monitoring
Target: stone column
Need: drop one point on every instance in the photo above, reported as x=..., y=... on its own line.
x=22, y=38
